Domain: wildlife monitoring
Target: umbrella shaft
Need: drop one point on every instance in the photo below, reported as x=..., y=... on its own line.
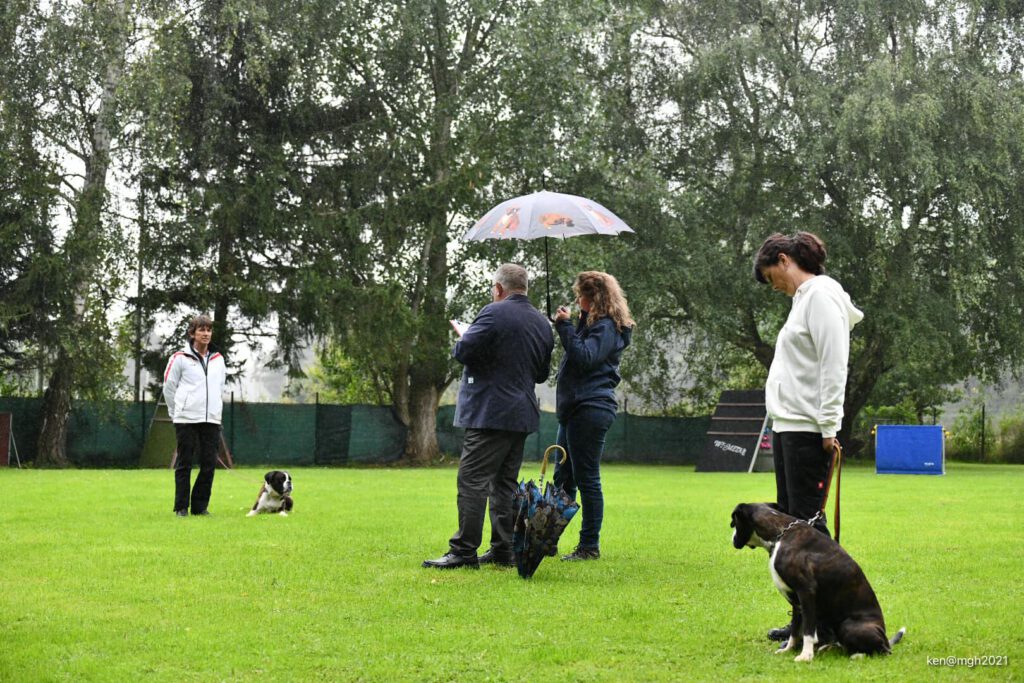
x=547, y=276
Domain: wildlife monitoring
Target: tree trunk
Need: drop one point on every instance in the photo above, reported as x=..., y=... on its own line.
x=53, y=437
x=421, y=442
x=428, y=370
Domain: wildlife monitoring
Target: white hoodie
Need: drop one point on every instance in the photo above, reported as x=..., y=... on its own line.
x=193, y=387
x=807, y=381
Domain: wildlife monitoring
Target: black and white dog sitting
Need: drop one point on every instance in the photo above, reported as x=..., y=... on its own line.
x=275, y=494
x=826, y=587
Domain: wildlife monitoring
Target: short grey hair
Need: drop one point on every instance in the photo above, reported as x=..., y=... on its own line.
x=512, y=278
x=201, y=320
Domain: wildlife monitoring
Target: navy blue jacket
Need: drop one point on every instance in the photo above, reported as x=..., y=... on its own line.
x=589, y=371
x=507, y=352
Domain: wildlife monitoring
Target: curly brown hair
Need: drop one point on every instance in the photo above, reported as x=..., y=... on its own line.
x=606, y=298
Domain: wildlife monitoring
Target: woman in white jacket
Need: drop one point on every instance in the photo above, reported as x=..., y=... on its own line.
x=193, y=383
x=807, y=380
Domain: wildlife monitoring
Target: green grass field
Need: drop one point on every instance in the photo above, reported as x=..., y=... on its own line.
x=101, y=582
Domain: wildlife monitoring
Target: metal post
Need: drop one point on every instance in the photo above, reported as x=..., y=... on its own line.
x=232, y=422
x=138, y=290
x=625, y=424
x=983, y=432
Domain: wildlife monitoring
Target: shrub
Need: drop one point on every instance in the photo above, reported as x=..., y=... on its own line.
x=862, y=440
x=963, y=440
x=1010, y=442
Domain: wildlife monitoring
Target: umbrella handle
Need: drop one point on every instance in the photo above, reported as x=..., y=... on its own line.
x=544, y=465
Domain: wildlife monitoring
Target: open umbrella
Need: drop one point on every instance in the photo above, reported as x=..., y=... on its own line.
x=546, y=214
x=540, y=519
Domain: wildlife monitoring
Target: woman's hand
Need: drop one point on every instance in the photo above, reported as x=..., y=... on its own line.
x=561, y=314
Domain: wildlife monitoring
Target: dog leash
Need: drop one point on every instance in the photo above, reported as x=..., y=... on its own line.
x=836, y=467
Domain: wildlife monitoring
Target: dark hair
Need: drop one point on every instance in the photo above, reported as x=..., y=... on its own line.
x=201, y=320
x=805, y=248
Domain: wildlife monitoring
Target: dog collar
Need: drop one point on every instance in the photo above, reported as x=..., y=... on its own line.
x=808, y=522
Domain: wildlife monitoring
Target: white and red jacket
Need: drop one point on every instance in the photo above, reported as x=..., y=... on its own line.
x=193, y=386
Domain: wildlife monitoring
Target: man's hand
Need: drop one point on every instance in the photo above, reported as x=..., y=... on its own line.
x=829, y=444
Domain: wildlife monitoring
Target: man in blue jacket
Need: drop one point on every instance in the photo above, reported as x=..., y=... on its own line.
x=506, y=353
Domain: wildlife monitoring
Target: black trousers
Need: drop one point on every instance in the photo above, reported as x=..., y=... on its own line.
x=197, y=443
x=801, y=474
x=488, y=477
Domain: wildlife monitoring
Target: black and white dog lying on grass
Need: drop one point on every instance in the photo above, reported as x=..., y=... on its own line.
x=831, y=597
x=275, y=494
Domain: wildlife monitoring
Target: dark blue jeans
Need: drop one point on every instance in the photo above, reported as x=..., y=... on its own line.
x=582, y=435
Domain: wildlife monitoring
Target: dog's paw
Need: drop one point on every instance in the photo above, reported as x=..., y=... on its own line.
x=283, y=513
x=804, y=657
x=786, y=646
x=857, y=655
x=252, y=513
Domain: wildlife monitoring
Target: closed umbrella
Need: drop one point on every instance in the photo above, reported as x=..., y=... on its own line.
x=542, y=512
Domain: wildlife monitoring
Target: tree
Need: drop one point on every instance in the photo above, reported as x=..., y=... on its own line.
x=226, y=112
x=471, y=96
x=334, y=378
x=28, y=195
x=894, y=130
x=82, y=51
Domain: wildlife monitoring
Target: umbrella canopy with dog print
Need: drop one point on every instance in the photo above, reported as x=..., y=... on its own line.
x=542, y=512
x=546, y=214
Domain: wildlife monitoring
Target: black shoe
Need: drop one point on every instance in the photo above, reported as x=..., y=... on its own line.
x=452, y=561
x=781, y=634
x=582, y=553
x=181, y=513
x=497, y=559
x=204, y=513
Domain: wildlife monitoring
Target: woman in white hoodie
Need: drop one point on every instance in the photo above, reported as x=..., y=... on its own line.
x=807, y=380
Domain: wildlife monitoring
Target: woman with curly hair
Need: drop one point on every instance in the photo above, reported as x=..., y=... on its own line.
x=585, y=397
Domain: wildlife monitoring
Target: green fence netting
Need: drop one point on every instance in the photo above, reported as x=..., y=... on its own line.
x=112, y=434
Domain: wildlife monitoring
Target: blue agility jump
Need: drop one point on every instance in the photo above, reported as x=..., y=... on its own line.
x=910, y=449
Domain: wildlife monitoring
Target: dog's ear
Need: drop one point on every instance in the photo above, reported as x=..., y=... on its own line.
x=268, y=476
x=741, y=522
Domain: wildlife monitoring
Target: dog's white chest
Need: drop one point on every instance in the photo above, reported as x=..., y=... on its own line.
x=776, y=579
x=270, y=501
